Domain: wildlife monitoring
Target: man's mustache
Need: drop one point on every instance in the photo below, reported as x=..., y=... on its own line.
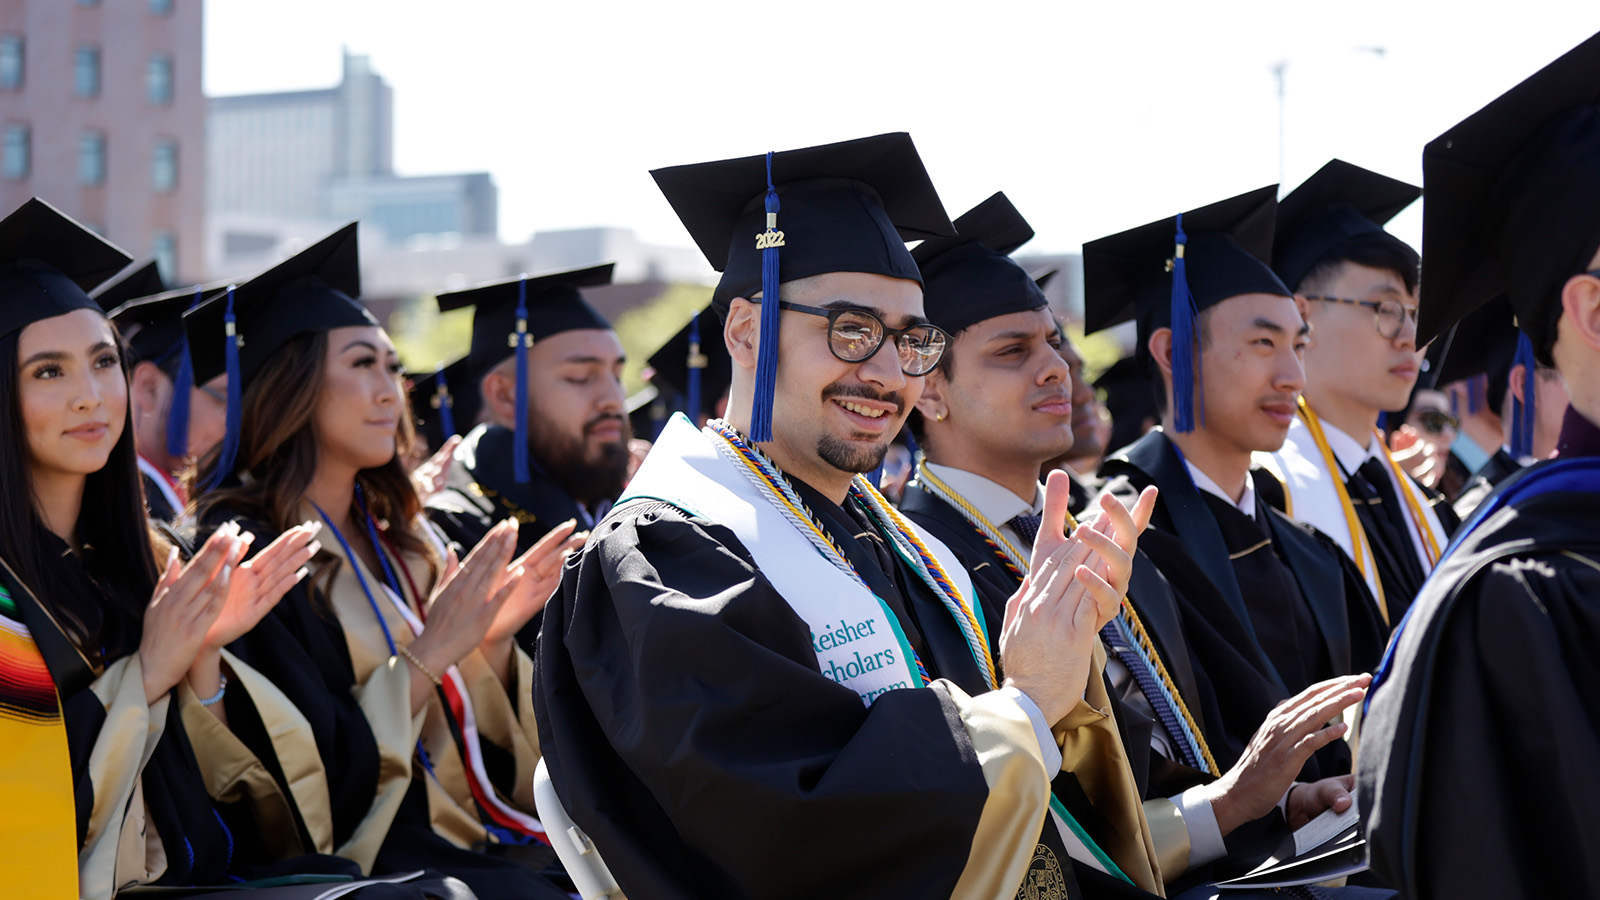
x=861, y=391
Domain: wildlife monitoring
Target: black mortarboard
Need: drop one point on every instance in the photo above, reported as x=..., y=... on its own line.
x=444, y=402
x=1487, y=342
x=508, y=316
x=48, y=263
x=694, y=364
x=238, y=329
x=152, y=327
x=842, y=207
x=1340, y=204
x=1514, y=200
x=971, y=277
x=315, y=290
x=1130, y=399
x=553, y=305
x=136, y=282
x=1141, y=273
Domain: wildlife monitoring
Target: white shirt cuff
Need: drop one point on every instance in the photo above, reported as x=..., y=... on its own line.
x=1041, y=729
x=1200, y=820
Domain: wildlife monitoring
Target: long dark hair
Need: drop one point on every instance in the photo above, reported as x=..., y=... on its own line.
x=111, y=520
x=278, y=448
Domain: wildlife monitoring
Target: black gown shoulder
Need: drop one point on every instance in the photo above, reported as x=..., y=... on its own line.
x=1482, y=740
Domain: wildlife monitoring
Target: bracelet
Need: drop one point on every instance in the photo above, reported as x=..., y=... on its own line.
x=412, y=658
x=216, y=698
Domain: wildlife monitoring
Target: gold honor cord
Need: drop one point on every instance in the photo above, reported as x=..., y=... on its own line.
x=1358, y=534
x=1009, y=554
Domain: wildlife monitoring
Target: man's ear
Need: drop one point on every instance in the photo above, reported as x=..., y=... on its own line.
x=500, y=395
x=1303, y=305
x=145, y=385
x=1160, y=347
x=742, y=333
x=1580, y=302
x=1518, y=373
x=932, y=403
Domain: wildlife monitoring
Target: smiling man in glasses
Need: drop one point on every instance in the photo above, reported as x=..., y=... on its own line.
x=758, y=678
x=1357, y=286
x=175, y=420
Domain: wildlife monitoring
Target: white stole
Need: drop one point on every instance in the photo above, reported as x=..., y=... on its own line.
x=857, y=639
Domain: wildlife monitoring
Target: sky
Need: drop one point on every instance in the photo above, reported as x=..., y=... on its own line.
x=1092, y=117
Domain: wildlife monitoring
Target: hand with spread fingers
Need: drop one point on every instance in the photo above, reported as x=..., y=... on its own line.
x=468, y=596
x=187, y=600
x=429, y=477
x=535, y=576
x=1074, y=586
x=261, y=581
x=1292, y=732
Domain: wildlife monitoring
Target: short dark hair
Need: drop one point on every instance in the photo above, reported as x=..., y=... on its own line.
x=1158, y=382
x=1376, y=250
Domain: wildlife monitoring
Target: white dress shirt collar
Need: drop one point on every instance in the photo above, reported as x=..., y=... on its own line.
x=996, y=503
x=1247, y=501
x=1350, y=452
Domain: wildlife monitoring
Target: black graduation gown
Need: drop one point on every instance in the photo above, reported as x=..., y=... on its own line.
x=156, y=501
x=749, y=773
x=1185, y=542
x=300, y=647
x=1482, y=739
x=1500, y=466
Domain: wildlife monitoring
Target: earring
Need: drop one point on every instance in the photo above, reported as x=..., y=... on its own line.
x=939, y=417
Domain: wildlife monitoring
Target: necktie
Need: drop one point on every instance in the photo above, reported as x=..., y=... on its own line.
x=1378, y=508
x=1027, y=527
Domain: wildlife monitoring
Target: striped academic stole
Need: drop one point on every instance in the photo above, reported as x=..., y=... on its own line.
x=39, y=824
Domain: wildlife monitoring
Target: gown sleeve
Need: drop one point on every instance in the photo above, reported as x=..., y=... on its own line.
x=690, y=733
x=113, y=734
x=1513, y=737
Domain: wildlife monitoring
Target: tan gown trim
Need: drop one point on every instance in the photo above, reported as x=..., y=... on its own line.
x=116, y=851
x=1170, y=835
x=233, y=773
x=1091, y=749
x=295, y=748
x=1019, y=795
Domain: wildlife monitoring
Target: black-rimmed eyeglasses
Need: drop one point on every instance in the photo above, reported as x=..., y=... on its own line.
x=854, y=335
x=1389, y=316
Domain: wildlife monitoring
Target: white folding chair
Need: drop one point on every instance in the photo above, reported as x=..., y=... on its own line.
x=578, y=854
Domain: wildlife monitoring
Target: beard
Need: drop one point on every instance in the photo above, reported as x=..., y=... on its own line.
x=587, y=474
x=844, y=455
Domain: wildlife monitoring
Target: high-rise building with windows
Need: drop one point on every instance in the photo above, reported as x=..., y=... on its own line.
x=102, y=115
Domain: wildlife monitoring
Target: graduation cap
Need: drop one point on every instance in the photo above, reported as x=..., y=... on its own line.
x=1129, y=398
x=843, y=207
x=1340, y=205
x=695, y=365
x=970, y=277
x=134, y=283
x=508, y=316
x=444, y=401
x=1487, y=342
x=152, y=327
x=1167, y=272
x=1514, y=200
x=238, y=329
x=48, y=263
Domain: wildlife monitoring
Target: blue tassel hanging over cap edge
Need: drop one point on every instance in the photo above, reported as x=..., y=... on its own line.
x=1185, y=372
x=231, y=342
x=521, y=340
x=767, y=355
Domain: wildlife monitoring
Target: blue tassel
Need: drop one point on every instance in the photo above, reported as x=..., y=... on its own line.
x=911, y=442
x=1185, y=372
x=697, y=364
x=441, y=397
x=230, y=354
x=1475, y=398
x=520, y=340
x=1522, y=410
x=1383, y=421
x=767, y=356
x=182, y=392
x=1455, y=404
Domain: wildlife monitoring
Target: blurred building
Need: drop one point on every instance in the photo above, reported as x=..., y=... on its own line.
x=102, y=115
x=324, y=157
